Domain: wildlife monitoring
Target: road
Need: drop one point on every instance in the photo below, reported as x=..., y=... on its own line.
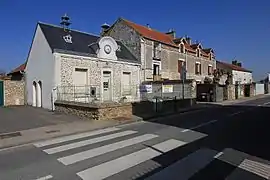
x=220, y=142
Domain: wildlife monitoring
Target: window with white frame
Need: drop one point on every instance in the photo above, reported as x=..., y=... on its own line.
x=210, y=69
x=182, y=48
x=198, y=68
x=126, y=88
x=198, y=53
x=157, y=50
x=156, y=67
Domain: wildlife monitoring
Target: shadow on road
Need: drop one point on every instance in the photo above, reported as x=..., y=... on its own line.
x=244, y=129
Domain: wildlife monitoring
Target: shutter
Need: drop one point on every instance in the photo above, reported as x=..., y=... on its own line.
x=180, y=64
x=200, y=69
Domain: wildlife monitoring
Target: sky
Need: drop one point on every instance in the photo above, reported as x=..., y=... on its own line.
x=235, y=29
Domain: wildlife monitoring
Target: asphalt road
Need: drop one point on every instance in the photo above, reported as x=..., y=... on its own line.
x=220, y=142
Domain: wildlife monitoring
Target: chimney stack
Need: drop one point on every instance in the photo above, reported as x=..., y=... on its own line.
x=104, y=28
x=148, y=26
x=172, y=33
x=188, y=39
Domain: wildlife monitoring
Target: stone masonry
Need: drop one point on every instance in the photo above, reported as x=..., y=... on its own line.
x=14, y=92
x=94, y=68
x=143, y=49
x=109, y=111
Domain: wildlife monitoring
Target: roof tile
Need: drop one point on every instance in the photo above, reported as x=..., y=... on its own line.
x=151, y=34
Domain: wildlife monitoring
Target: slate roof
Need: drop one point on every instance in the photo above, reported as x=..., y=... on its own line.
x=80, y=42
x=232, y=67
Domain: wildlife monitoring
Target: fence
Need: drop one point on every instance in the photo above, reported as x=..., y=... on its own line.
x=95, y=93
x=152, y=91
x=167, y=90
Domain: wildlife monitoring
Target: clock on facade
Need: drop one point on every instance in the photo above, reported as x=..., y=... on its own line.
x=107, y=49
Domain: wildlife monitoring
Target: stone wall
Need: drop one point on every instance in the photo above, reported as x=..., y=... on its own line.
x=191, y=62
x=120, y=31
x=110, y=111
x=94, y=69
x=14, y=92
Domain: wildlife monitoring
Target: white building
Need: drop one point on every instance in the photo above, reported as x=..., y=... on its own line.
x=77, y=66
x=239, y=74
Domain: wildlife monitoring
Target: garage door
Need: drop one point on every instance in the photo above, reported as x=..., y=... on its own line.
x=1, y=93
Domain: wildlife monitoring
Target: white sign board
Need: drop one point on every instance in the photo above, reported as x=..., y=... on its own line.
x=146, y=88
x=167, y=88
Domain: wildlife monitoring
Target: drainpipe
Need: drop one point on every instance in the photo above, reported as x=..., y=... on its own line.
x=144, y=60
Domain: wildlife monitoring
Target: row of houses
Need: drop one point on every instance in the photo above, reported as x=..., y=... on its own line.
x=76, y=66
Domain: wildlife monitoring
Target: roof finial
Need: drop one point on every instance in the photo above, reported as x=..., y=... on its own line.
x=65, y=22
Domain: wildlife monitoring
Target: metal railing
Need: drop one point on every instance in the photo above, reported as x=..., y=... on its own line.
x=95, y=93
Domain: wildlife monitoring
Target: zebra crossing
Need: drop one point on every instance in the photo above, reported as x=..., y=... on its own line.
x=126, y=153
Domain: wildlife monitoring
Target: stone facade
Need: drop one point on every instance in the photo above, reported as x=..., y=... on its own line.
x=170, y=55
x=94, y=68
x=111, y=111
x=14, y=92
x=128, y=36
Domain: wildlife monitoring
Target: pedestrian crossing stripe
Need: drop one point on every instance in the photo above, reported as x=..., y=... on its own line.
x=185, y=168
x=88, y=142
x=109, y=168
x=104, y=149
x=74, y=137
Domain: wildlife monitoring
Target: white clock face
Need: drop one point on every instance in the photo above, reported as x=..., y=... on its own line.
x=107, y=49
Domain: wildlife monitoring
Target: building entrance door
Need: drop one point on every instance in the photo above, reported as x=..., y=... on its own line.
x=107, y=86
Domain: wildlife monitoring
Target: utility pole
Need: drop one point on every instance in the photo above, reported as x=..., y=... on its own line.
x=183, y=74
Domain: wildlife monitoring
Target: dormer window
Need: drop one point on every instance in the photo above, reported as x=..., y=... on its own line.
x=182, y=48
x=68, y=38
x=198, y=52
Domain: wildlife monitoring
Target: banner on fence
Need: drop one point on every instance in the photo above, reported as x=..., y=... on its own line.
x=167, y=88
x=146, y=88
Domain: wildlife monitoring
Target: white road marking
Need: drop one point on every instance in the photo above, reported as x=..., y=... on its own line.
x=110, y=168
x=104, y=149
x=233, y=114
x=186, y=167
x=87, y=142
x=45, y=177
x=266, y=103
x=73, y=137
x=257, y=168
x=218, y=155
x=200, y=125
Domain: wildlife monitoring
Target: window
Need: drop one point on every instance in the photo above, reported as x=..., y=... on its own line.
x=198, y=68
x=210, y=70
x=156, y=50
x=182, y=48
x=180, y=66
x=155, y=69
x=126, y=83
x=198, y=52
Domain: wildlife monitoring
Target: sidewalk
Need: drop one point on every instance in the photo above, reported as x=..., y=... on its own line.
x=42, y=133
x=241, y=100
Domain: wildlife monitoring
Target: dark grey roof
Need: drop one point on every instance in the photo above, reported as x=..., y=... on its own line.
x=80, y=42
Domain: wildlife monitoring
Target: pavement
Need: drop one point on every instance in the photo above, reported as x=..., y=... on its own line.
x=220, y=142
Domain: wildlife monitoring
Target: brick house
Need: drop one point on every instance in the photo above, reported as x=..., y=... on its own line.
x=162, y=54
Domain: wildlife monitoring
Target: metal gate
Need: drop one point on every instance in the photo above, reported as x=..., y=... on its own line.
x=1, y=93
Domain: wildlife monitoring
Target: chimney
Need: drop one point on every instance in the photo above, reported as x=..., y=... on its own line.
x=239, y=64
x=172, y=33
x=234, y=62
x=188, y=39
x=148, y=26
x=104, y=28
